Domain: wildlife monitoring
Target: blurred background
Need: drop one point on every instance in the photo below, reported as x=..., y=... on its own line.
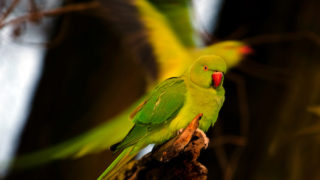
x=66, y=71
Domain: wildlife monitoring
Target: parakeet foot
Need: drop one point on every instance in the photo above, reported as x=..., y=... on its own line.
x=180, y=131
x=202, y=135
x=173, y=147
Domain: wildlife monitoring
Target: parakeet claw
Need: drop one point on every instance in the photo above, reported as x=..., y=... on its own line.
x=180, y=131
x=200, y=133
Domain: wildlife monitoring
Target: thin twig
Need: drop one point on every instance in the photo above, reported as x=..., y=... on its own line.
x=274, y=38
x=9, y=10
x=229, y=139
x=238, y=33
x=233, y=164
x=243, y=101
x=33, y=6
x=219, y=150
x=52, y=12
x=221, y=156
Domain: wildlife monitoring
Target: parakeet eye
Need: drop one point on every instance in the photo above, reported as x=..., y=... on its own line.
x=205, y=67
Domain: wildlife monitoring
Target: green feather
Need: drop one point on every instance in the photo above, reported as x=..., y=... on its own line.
x=164, y=102
x=163, y=105
x=93, y=141
x=124, y=157
x=178, y=15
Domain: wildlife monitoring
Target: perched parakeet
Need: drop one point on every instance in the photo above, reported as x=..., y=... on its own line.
x=172, y=105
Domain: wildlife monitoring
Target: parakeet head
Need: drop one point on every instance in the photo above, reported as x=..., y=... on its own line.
x=232, y=51
x=208, y=71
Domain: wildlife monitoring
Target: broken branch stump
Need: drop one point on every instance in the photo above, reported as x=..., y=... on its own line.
x=176, y=159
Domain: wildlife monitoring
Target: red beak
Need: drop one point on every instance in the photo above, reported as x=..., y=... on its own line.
x=246, y=50
x=216, y=78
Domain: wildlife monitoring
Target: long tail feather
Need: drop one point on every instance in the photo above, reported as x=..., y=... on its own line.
x=125, y=156
x=96, y=140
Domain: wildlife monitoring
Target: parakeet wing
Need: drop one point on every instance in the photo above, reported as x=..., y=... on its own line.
x=167, y=47
x=178, y=15
x=163, y=105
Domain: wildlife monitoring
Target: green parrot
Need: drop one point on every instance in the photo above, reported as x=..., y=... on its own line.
x=172, y=105
x=233, y=51
x=174, y=53
x=173, y=56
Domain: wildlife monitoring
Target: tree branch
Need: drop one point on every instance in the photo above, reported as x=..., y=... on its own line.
x=9, y=10
x=52, y=12
x=175, y=159
x=275, y=38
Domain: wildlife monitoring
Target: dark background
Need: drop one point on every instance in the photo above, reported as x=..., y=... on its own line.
x=92, y=72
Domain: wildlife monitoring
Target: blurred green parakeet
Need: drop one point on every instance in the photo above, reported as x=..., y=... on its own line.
x=172, y=105
x=175, y=51
x=173, y=56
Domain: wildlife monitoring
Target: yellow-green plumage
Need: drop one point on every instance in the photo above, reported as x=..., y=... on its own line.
x=171, y=106
x=231, y=51
x=174, y=54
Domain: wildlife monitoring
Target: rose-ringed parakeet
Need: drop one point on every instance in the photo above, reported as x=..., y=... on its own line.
x=172, y=105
